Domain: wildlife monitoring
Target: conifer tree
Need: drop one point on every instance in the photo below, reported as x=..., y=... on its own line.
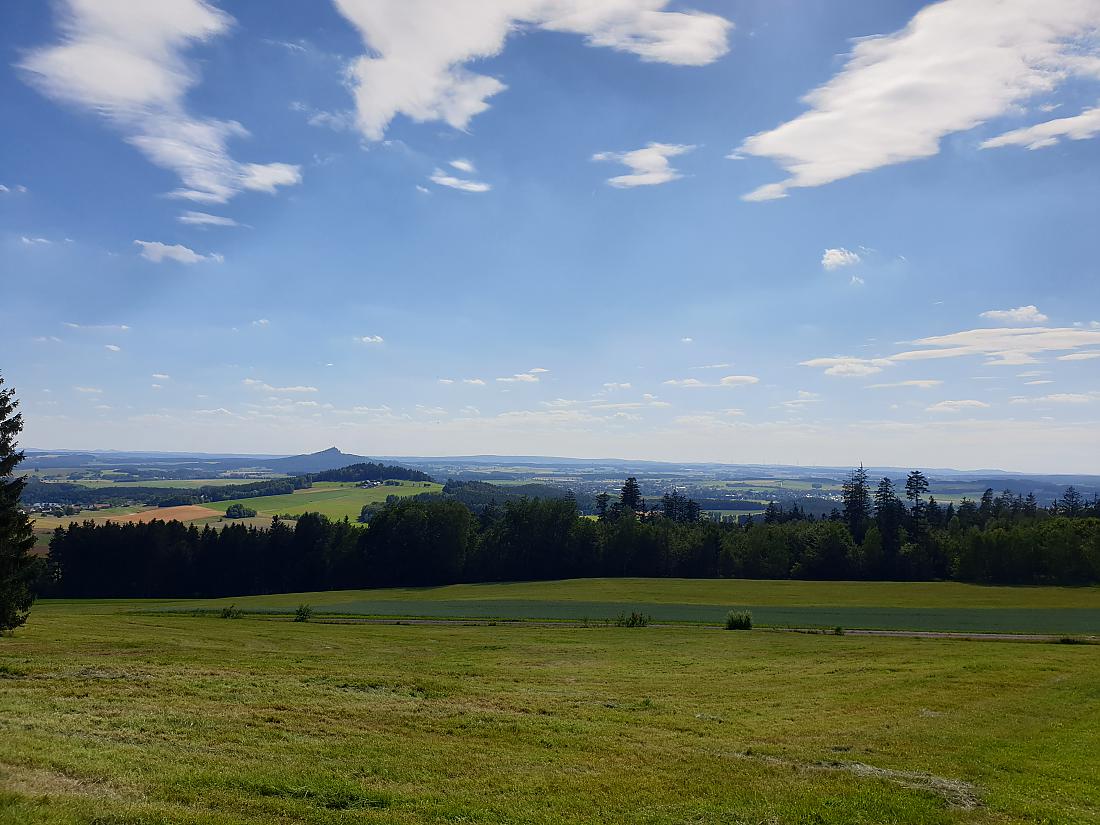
x=17, y=566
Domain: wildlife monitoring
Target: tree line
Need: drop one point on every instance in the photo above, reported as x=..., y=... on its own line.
x=874, y=535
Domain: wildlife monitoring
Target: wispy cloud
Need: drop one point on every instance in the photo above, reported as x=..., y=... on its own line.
x=648, y=166
x=1079, y=127
x=419, y=50
x=192, y=218
x=959, y=63
x=727, y=381
x=848, y=366
x=257, y=384
x=127, y=62
x=441, y=178
x=919, y=383
x=957, y=406
x=112, y=347
x=1020, y=315
x=158, y=252
x=368, y=339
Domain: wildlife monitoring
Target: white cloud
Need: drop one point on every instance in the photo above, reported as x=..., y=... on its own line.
x=113, y=347
x=919, y=383
x=712, y=367
x=418, y=50
x=613, y=386
x=441, y=178
x=1020, y=315
x=476, y=382
x=836, y=258
x=99, y=327
x=727, y=381
x=463, y=165
x=686, y=340
x=157, y=252
x=125, y=61
x=1002, y=346
x=848, y=366
x=18, y=189
x=1041, y=135
x=1060, y=398
x=648, y=166
x=89, y=390
x=35, y=241
x=520, y=377
x=256, y=384
x=957, y=64
x=446, y=380
x=261, y=322
x=423, y=190
x=204, y=219
x=957, y=406
x=1088, y=355
x=160, y=376
x=368, y=339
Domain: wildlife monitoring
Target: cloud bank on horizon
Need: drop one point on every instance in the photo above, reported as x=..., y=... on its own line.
x=368, y=218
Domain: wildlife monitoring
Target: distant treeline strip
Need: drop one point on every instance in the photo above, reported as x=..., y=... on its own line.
x=438, y=541
x=40, y=492
x=64, y=493
x=370, y=471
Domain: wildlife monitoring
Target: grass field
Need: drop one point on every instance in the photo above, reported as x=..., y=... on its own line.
x=330, y=498
x=113, y=716
x=922, y=606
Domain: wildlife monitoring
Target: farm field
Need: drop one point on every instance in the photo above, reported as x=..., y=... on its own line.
x=329, y=498
x=920, y=606
x=114, y=716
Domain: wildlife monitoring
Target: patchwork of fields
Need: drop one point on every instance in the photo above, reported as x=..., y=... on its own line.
x=333, y=499
x=116, y=712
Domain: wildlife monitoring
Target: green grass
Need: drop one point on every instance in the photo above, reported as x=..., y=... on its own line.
x=109, y=716
x=925, y=606
x=332, y=499
x=728, y=592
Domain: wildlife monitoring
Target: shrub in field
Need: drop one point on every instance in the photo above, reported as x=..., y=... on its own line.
x=304, y=613
x=239, y=511
x=635, y=619
x=231, y=612
x=739, y=620
x=838, y=631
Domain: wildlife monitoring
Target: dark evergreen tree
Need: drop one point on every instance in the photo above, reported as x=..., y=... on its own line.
x=17, y=567
x=631, y=495
x=857, y=503
x=916, y=485
x=602, y=502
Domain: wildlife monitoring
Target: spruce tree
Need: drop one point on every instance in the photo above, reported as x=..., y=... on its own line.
x=17, y=566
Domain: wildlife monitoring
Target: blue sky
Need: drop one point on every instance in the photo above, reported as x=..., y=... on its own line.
x=812, y=232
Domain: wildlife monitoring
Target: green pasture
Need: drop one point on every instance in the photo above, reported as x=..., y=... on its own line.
x=118, y=717
x=330, y=498
x=921, y=606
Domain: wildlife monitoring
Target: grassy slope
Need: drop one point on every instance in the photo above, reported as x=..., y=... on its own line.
x=143, y=719
x=333, y=499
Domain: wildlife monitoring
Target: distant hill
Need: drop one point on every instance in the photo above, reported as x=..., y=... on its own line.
x=330, y=459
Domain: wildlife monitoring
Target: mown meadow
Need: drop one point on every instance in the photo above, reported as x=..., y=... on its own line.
x=147, y=712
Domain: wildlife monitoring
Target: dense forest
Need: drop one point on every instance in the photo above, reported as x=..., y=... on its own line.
x=36, y=491
x=876, y=534
x=370, y=471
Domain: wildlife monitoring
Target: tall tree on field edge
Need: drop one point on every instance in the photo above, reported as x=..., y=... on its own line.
x=18, y=568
